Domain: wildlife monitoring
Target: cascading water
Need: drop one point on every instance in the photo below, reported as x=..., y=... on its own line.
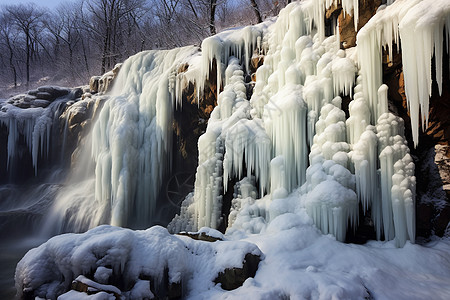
x=128, y=153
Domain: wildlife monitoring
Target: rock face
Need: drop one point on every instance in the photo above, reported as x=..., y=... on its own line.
x=347, y=30
x=433, y=156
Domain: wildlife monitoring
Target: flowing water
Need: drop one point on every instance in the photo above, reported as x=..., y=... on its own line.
x=22, y=207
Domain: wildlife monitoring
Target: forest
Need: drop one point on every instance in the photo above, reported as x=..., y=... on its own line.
x=82, y=38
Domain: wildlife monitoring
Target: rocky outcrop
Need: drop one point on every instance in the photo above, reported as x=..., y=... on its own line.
x=347, y=30
x=41, y=97
x=85, y=285
x=232, y=278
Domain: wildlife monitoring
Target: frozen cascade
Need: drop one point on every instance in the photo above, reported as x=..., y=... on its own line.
x=131, y=141
x=230, y=142
x=34, y=124
x=129, y=148
x=296, y=103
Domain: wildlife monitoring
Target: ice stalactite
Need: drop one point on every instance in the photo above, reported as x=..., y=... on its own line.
x=232, y=140
x=404, y=24
x=131, y=141
x=232, y=43
x=422, y=37
x=285, y=119
x=397, y=181
x=35, y=125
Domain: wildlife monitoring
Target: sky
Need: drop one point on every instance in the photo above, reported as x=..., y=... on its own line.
x=42, y=3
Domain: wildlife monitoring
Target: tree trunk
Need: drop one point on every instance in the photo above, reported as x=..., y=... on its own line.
x=212, y=25
x=256, y=10
x=28, y=57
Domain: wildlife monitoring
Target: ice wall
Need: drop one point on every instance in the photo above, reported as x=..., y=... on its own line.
x=330, y=162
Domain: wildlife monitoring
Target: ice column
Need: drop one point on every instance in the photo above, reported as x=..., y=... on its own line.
x=132, y=139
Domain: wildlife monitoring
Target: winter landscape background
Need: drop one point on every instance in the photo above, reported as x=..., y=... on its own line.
x=194, y=149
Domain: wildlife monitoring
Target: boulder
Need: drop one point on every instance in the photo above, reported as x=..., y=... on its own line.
x=45, y=96
x=232, y=278
x=53, y=91
x=40, y=103
x=93, y=84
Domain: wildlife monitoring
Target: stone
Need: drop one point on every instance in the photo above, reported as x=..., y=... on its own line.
x=200, y=236
x=40, y=103
x=54, y=91
x=232, y=278
x=347, y=31
x=94, y=83
x=45, y=96
x=76, y=93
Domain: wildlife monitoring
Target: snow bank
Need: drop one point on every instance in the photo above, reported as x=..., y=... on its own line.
x=307, y=264
x=124, y=257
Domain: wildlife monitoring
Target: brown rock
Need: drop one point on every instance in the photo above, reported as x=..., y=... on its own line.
x=201, y=236
x=347, y=31
x=232, y=278
x=93, y=84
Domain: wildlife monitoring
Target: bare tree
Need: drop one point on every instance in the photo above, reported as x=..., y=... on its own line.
x=8, y=40
x=212, y=16
x=106, y=20
x=27, y=18
x=256, y=10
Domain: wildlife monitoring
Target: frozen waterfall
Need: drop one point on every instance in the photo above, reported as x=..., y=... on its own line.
x=295, y=112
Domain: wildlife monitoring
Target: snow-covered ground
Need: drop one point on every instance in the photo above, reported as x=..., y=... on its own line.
x=298, y=262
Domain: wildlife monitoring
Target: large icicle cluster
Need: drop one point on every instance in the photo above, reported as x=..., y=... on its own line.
x=221, y=47
x=295, y=106
x=34, y=124
x=131, y=141
x=231, y=143
x=422, y=36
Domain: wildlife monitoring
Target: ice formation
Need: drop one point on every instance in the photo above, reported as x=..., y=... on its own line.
x=296, y=107
x=131, y=141
x=35, y=124
x=405, y=25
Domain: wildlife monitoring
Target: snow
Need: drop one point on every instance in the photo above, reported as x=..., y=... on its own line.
x=131, y=255
x=314, y=266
